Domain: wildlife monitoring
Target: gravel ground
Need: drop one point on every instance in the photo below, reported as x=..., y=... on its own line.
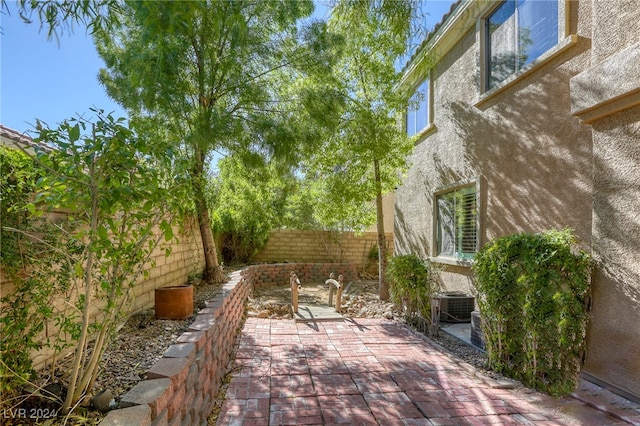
x=141, y=342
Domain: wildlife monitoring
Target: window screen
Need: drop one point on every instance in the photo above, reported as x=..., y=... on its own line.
x=518, y=32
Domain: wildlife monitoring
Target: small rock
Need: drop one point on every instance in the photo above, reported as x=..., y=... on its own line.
x=103, y=401
x=53, y=390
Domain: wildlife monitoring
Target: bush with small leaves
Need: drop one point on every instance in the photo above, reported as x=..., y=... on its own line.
x=413, y=282
x=533, y=294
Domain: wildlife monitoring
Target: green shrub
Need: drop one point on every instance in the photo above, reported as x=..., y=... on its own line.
x=374, y=253
x=533, y=293
x=413, y=282
x=23, y=310
x=114, y=192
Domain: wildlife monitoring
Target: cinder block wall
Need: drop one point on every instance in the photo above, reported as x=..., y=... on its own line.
x=295, y=246
x=186, y=258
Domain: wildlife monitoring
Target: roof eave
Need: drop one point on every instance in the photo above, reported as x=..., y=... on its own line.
x=463, y=17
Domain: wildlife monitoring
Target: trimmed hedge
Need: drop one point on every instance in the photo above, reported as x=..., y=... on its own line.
x=533, y=294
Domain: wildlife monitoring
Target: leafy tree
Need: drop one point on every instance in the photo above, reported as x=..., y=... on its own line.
x=216, y=75
x=248, y=199
x=364, y=157
x=116, y=196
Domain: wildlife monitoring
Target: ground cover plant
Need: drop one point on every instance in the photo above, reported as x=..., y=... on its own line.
x=533, y=294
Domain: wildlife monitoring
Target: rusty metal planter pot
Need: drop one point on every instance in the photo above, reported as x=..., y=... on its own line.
x=174, y=302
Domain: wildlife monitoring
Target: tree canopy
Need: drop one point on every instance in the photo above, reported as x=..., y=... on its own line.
x=220, y=75
x=365, y=156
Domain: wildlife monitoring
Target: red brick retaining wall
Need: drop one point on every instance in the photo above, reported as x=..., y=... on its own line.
x=182, y=387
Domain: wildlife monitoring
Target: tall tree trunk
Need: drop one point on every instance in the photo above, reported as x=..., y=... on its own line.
x=383, y=284
x=213, y=271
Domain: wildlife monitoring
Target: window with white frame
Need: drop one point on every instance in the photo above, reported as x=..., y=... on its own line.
x=517, y=33
x=457, y=222
x=417, y=117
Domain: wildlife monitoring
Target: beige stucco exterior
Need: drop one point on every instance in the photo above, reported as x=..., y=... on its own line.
x=547, y=149
x=388, y=205
x=606, y=98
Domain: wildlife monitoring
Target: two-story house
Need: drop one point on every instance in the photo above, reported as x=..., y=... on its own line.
x=528, y=118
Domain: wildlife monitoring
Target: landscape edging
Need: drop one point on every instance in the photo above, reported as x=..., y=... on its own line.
x=182, y=387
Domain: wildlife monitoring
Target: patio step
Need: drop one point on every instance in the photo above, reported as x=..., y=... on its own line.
x=312, y=313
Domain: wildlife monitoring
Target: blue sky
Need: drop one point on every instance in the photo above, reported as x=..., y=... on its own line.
x=52, y=81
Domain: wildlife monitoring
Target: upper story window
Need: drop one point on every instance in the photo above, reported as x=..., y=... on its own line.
x=456, y=219
x=517, y=33
x=417, y=117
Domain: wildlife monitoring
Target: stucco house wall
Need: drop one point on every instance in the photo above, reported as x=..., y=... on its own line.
x=536, y=165
x=606, y=98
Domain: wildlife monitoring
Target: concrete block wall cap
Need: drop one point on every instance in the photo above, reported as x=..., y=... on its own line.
x=209, y=311
x=181, y=350
x=146, y=392
x=175, y=369
x=196, y=337
x=202, y=323
x=139, y=415
x=214, y=302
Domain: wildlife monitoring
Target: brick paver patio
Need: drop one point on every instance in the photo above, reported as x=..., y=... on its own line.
x=370, y=372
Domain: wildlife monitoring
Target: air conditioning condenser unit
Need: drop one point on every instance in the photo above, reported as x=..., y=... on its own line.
x=456, y=306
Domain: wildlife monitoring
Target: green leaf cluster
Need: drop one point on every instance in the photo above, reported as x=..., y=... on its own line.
x=23, y=309
x=102, y=202
x=18, y=177
x=413, y=282
x=533, y=294
x=248, y=199
x=58, y=16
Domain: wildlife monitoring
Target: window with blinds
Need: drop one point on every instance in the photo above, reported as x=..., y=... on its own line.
x=457, y=223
